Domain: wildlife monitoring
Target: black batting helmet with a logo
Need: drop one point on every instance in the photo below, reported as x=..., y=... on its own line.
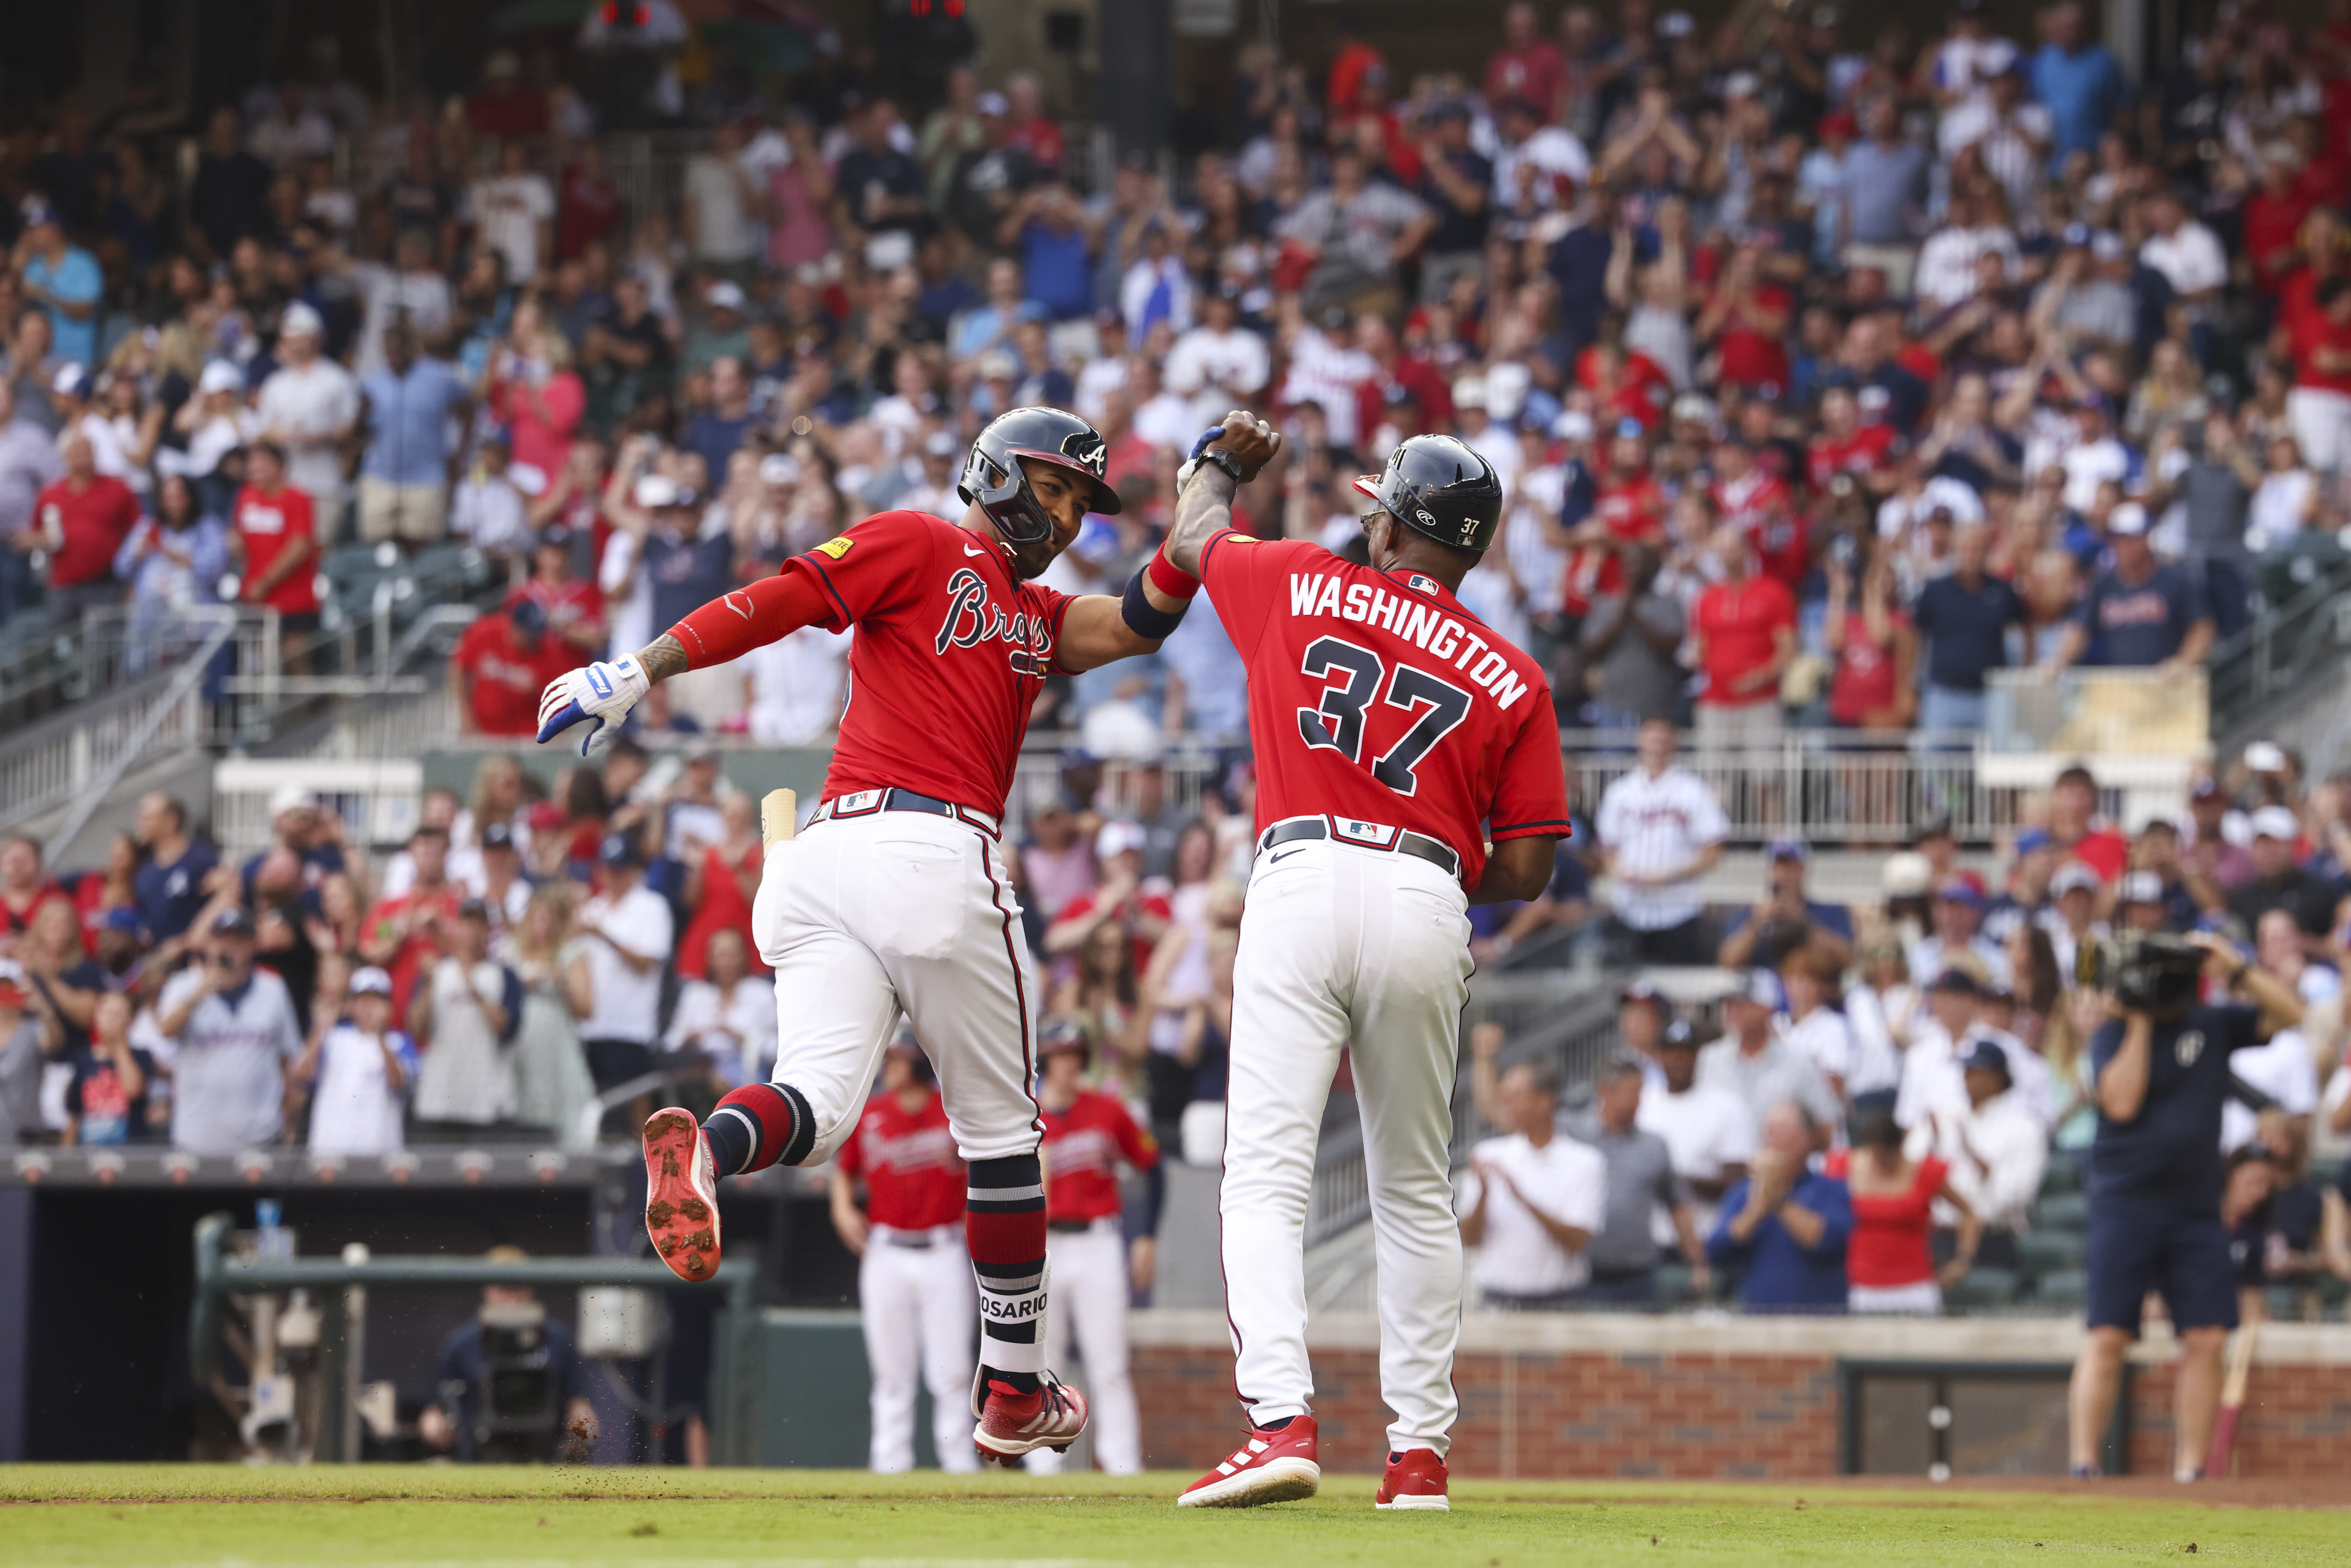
x=1438, y=487
x=993, y=480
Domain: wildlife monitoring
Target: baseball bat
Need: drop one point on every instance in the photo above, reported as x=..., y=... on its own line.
x=2232, y=1400
x=779, y=817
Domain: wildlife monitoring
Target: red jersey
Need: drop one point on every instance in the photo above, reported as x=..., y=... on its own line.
x=421, y=948
x=1083, y=1148
x=508, y=677
x=1749, y=356
x=85, y=526
x=568, y=604
x=1866, y=451
x=1641, y=390
x=270, y=524
x=1889, y=1246
x=1633, y=512
x=1375, y=696
x=1760, y=505
x=950, y=653
x=2312, y=331
x=913, y=1177
x=1149, y=899
x=1736, y=622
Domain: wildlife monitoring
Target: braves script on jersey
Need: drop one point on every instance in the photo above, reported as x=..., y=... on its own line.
x=1376, y=695
x=950, y=653
x=1083, y=1146
x=913, y=1178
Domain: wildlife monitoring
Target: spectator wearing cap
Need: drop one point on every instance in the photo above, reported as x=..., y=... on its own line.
x=81, y=519
x=1964, y=615
x=299, y=826
x=1995, y=1151
x=1957, y=913
x=575, y=610
x=1661, y=830
x=1755, y=1062
x=465, y=1015
x=62, y=278
x=502, y=664
x=357, y=1071
x=2141, y=612
x=1955, y=1023
x=2072, y=918
x=2281, y=882
x=1786, y=918
x=169, y=886
x=2210, y=853
x=2143, y=903
x=308, y=407
x=1125, y=897
x=108, y=1101
x=1649, y=1213
x=496, y=877
x=633, y=933
x=1784, y=1226
x=275, y=540
x=1708, y=1132
x=403, y=933
x=235, y=1034
x=408, y=404
x=1531, y=1200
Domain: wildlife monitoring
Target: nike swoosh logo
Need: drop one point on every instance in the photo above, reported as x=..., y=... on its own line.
x=1277, y=859
x=968, y=550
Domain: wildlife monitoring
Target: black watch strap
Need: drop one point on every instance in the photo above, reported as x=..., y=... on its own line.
x=1225, y=461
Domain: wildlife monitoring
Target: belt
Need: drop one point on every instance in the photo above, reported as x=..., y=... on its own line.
x=866, y=802
x=937, y=1234
x=1069, y=1227
x=1364, y=836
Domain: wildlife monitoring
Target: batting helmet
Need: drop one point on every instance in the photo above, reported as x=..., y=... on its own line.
x=1065, y=1034
x=994, y=482
x=1439, y=489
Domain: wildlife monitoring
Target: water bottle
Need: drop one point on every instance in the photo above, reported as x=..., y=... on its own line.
x=273, y=1243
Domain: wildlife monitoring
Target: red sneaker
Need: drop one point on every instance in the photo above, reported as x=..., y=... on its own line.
x=1415, y=1479
x=1271, y=1467
x=681, y=1194
x=1010, y=1425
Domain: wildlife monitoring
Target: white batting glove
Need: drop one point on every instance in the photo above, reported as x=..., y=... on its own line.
x=602, y=695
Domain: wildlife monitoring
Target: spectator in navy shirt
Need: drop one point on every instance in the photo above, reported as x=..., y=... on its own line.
x=1784, y=1226
x=169, y=886
x=1787, y=917
x=718, y=429
x=1455, y=179
x=1964, y=617
x=2155, y=1196
x=2140, y=613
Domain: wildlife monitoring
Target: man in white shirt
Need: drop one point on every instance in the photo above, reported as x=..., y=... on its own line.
x=2188, y=254
x=1755, y=1064
x=362, y=1072
x=1661, y=830
x=1707, y=1130
x=797, y=687
x=1561, y=163
x=2011, y=134
x=2280, y=1069
x=514, y=213
x=1219, y=365
x=722, y=201
x=234, y=1035
x=1933, y=1075
x=1947, y=273
x=1531, y=1199
x=309, y=406
x=1996, y=1148
x=633, y=933
x=1957, y=911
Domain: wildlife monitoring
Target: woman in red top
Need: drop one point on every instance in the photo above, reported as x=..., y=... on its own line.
x=535, y=393
x=1889, y=1263
x=1747, y=323
x=719, y=889
x=1874, y=646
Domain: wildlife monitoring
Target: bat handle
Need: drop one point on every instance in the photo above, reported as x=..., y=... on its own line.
x=779, y=817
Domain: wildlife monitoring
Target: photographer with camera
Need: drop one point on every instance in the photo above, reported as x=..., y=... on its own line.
x=2161, y=1062
x=509, y=1386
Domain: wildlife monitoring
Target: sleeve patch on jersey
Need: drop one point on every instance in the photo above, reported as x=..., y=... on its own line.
x=836, y=547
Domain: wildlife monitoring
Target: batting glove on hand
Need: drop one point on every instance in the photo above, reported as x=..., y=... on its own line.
x=602, y=694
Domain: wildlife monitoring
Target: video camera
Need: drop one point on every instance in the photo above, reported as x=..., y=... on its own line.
x=516, y=1420
x=2153, y=972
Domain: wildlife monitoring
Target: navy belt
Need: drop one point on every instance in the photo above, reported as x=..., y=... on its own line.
x=866, y=802
x=1364, y=835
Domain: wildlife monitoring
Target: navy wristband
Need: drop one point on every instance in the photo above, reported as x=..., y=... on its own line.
x=1143, y=618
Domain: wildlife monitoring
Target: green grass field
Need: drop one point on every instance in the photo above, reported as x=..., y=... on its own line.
x=98, y=1514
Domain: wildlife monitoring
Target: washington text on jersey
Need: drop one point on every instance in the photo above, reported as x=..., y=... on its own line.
x=1425, y=625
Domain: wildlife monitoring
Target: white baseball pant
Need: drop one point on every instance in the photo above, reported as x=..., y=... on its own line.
x=1090, y=1299
x=918, y=1305
x=1340, y=943
x=861, y=916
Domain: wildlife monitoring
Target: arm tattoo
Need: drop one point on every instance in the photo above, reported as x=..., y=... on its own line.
x=1205, y=506
x=661, y=658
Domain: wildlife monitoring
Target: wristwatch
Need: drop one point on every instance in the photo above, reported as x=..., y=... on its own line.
x=1215, y=455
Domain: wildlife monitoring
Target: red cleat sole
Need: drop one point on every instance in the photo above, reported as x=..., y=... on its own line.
x=681, y=1194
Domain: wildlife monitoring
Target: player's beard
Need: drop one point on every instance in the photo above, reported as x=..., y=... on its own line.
x=1029, y=561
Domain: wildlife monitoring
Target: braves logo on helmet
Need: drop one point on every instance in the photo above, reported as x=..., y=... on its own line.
x=1086, y=447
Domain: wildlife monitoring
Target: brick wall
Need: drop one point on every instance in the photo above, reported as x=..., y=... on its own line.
x=1694, y=1400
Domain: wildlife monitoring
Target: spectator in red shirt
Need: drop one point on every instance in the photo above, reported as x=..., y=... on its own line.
x=81, y=520
x=1124, y=898
x=1758, y=504
x=1630, y=508
x=502, y=665
x=1398, y=378
x=1846, y=445
x=587, y=203
x=2319, y=406
x=2274, y=215
x=1026, y=126
x=1745, y=626
x=403, y=934
x=1876, y=650
x=1525, y=66
x=276, y=542
x=575, y=609
x=1746, y=320
x=25, y=888
x=507, y=106
x=2078, y=831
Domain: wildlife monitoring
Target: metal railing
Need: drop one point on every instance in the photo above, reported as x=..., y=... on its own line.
x=1828, y=786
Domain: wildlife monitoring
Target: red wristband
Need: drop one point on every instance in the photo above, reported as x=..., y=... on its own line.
x=1170, y=579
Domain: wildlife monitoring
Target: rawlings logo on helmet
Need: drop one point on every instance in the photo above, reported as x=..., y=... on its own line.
x=1086, y=447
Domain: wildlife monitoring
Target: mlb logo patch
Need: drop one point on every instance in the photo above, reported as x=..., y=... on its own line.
x=1420, y=583
x=1372, y=834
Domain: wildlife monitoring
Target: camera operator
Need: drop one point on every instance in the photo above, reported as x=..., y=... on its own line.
x=2161, y=1063
x=503, y=1379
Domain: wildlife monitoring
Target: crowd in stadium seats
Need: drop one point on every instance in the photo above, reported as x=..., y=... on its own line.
x=1827, y=374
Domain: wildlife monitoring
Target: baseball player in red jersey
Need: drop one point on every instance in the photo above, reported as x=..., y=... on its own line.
x=913, y=1277
x=1087, y=1136
x=1408, y=765
x=895, y=897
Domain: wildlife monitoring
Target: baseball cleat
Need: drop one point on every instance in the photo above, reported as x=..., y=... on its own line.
x=1012, y=1425
x=1271, y=1467
x=1415, y=1479
x=681, y=1194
